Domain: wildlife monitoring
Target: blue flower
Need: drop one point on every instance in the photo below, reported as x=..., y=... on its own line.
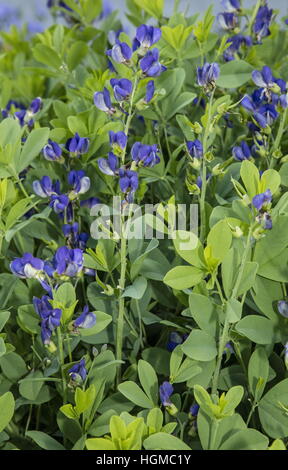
x=207, y=75
x=27, y=267
x=118, y=140
x=120, y=52
x=77, y=145
x=80, y=182
x=128, y=182
x=194, y=409
x=122, y=88
x=45, y=188
x=199, y=181
x=78, y=372
x=102, y=101
x=74, y=238
x=195, y=148
x=241, y=152
x=26, y=116
x=108, y=166
x=145, y=155
x=86, y=319
x=262, y=22
x=174, y=340
x=266, y=115
x=150, y=89
x=236, y=42
x=51, y=318
x=227, y=21
x=231, y=5
x=67, y=262
x=283, y=308
x=150, y=64
x=35, y=106
x=90, y=202
x=165, y=391
x=146, y=36
x=262, y=199
x=52, y=151
x=59, y=203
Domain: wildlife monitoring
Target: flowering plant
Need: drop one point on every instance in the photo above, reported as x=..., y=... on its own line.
x=143, y=229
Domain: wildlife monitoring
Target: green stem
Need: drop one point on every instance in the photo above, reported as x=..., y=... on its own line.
x=204, y=172
x=140, y=323
x=224, y=336
x=278, y=137
x=61, y=360
x=214, y=429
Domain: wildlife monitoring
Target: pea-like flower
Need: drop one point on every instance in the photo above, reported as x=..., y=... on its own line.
x=165, y=392
x=27, y=267
x=78, y=372
x=77, y=145
x=174, y=340
x=118, y=141
x=74, y=238
x=109, y=166
x=102, y=101
x=227, y=21
x=67, y=262
x=25, y=116
x=263, y=19
x=87, y=319
x=283, y=308
x=59, y=203
x=241, y=152
x=150, y=65
x=150, y=90
x=231, y=5
x=50, y=317
x=261, y=200
x=122, y=88
x=145, y=155
x=45, y=187
x=128, y=183
x=146, y=36
x=195, y=148
x=120, y=52
x=207, y=75
x=52, y=151
x=80, y=182
x=235, y=43
x=194, y=409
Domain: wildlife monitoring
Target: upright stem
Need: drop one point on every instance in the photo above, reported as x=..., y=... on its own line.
x=61, y=360
x=224, y=336
x=279, y=136
x=204, y=172
x=123, y=254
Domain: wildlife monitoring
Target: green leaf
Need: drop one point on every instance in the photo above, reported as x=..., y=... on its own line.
x=100, y=444
x=183, y=277
x=13, y=366
x=48, y=56
x=4, y=317
x=44, y=441
x=163, y=441
x=200, y=346
x=234, y=74
x=32, y=147
x=154, y=8
x=7, y=405
x=220, y=239
x=273, y=411
x=137, y=289
x=30, y=388
x=76, y=54
x=258, y=372
x=102, y=321
x=188, y=247
x=233, y=310
x=258, y=329
x=250, y=177
x=247, y=439
x=133, y=392
x=204, y=313
x=148, y=380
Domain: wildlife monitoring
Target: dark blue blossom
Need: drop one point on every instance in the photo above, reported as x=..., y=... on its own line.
x=122, y=88
x=242, y=152
x=262, y=199
x=227, y=21
x=77, y=145
x=68, y=262
x=78, y=372
x=195, y=148
x=235, y=43
x=90, y=202
x=59, y=203
x=108, y=166
x=118, y=140
x=266, y=115
x=146, y=36
x=174, y=340
x=74, y=238
x=27, y=267
x=150, y=64
x=120, y=53
x=87, y=319
x=261, y=26
x=194, y=409
x=45, y=187
x=80, y=182
x=283, y=308
x=150, y=89
x=102, y=101
x=231, y=5
x=128, y=182
x=146, y=155
x=51, y=318
x=165, y=391
x=25, y=116
x=52, y=151
x=207, y=75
